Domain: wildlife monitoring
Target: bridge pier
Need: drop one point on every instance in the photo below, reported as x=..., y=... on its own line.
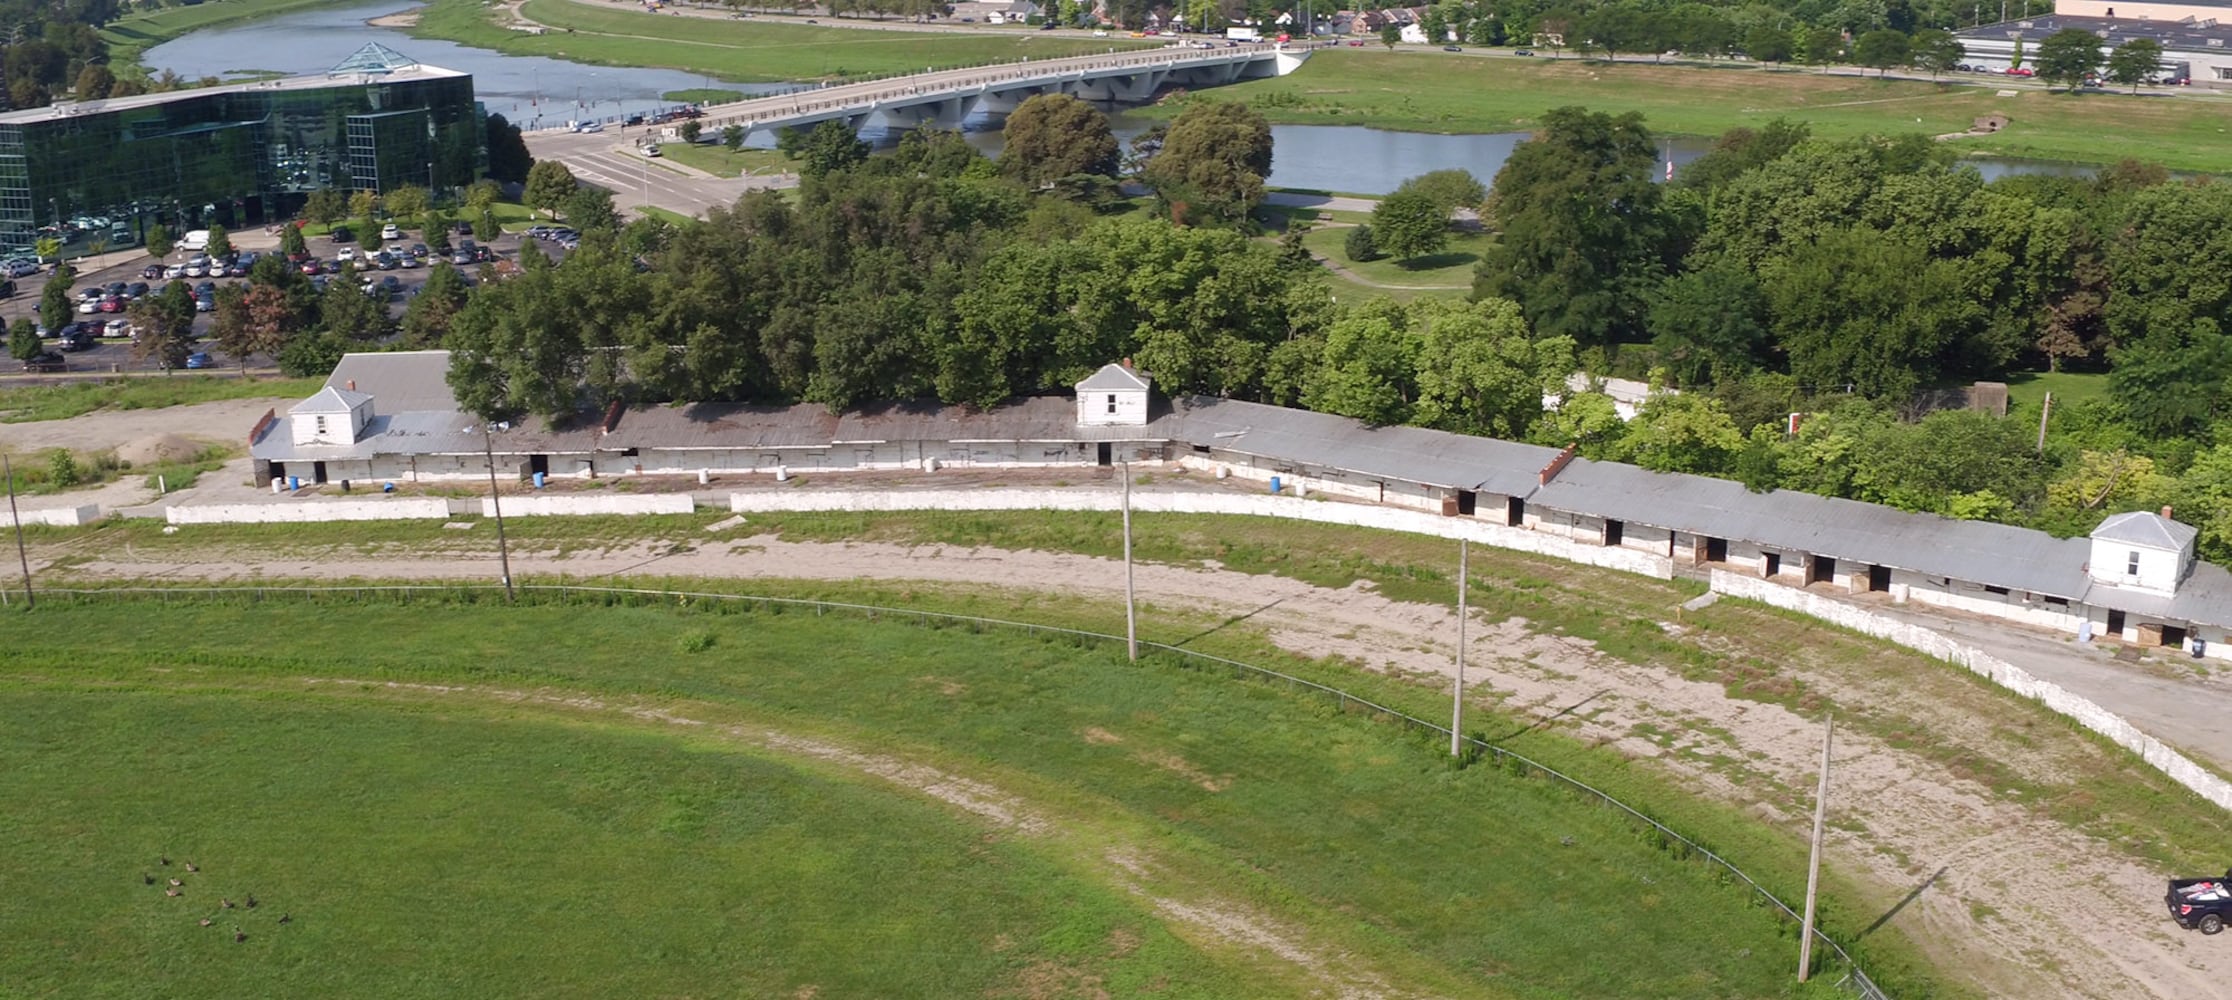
x=1111, y=89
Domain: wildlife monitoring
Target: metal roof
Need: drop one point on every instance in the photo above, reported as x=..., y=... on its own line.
x=1113, y=378
x=1977, y=551
x=1410, y=454
x=2138, y=527
x=330, y=400
x=713, y=426
x=78, y=109
x=2180, y=35
x=397, y=381
x=1035, y=418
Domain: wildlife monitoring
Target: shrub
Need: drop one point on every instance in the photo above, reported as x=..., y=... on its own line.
x=1360, y=246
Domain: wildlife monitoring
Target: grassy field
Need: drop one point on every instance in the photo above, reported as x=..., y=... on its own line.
x=2026, y=390
x=432, y=834
x=1447, y=273
x=132, y=34
x=742, y=51
x=1431, y=92
x=726, y=162
x=61, y=402
x=703, y=95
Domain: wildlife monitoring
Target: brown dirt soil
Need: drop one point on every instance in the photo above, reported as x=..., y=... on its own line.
x=156, y=449
x=2023, y=907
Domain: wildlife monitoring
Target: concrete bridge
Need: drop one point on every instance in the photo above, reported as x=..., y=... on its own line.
x=944, y=98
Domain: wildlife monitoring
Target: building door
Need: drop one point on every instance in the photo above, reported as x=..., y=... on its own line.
x=278, y=471
x=1614, y=531
x=538, y=463
x=2174, y=635
x=1467, y=502
x=1821, y=569
x=1515, y=512
x=1716, y=550
x=1107, y=454
x=2116, y=624
x=1774, y=564
x=317, y=472
x=1879, y=578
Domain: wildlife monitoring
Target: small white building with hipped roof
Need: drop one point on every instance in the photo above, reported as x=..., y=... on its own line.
x=2144, y=552
x=1114, y=396
x=332, y=416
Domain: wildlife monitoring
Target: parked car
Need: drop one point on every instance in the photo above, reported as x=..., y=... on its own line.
x=1522, y=52
x=2201, y=904
x=77, y=338
x=136, y=290
x=200, y=359
x=47, y=362
x=464, y=229
x=462, y=258
x=391, y=232
x=112, y=303
x=117, y=328
x=313, y=266
x=174, y=272
x=652, y=150
x=345, y=253
x=205, y=303
x=419, y=250
x=152, y=272
x=340, y=234
x=1452, y=48
x=588, y=127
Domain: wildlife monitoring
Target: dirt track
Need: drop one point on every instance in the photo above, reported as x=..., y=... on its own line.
x=2021, y=908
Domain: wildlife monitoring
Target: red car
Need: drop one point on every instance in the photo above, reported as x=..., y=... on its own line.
x=112, y=304
x=2021, y=71
x=313, y=267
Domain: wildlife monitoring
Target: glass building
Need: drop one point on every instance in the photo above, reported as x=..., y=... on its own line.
x=236, y=155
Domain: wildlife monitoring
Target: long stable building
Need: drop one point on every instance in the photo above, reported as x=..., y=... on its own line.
x=234, y=155
x=391, y=417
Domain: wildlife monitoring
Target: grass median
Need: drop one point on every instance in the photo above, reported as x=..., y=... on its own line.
x=61, y=402
x=514, y=784
x=1434, y=92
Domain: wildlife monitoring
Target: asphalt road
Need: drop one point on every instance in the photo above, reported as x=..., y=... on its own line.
x=116, y=355
x=612, y=160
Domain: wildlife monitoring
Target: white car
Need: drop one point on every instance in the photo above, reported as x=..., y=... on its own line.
x=174, y=272
x=589, y=127
x=196, y=270
x=117, y=328
x=345, y=253
x=87, y=307
x=390, y=232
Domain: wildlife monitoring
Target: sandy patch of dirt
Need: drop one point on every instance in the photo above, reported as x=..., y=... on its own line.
x=1184, y=768
x=156, y=449
x=1102, y=737
x=2023, y=908
x=225, y=420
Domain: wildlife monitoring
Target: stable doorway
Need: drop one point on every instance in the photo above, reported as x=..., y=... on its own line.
x=1106, y=454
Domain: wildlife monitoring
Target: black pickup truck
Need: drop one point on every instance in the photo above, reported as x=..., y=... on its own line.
x=2201, y=904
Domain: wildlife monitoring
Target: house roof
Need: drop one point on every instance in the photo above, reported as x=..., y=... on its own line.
x=330, y=400
x=1113, y=378
x=1322, y=440
x=2149, y=530
x=399, y=380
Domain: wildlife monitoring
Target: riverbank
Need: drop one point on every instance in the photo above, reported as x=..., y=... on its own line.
x=128, y=37
x=1445, y=93
x=738, y=51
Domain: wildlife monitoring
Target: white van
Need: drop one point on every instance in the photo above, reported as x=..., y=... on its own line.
x=195, y=242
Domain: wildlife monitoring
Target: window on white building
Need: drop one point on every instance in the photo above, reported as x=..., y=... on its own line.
x=1112, y=402
x=2131, y=565
x=321, y=426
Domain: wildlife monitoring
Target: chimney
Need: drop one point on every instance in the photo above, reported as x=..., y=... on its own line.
x=352, y=385
x=1550, y=472
x=2166, y=512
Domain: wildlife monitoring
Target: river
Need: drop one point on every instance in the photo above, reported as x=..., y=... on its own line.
x=535, y=91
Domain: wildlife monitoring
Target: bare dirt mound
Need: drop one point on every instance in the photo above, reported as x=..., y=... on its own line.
x=158, y=449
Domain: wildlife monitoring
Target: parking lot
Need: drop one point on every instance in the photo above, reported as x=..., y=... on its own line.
x=113, y=352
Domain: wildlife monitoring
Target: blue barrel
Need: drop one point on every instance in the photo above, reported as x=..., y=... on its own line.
x=539, y=480
x=1274, y=484
x=294, y=482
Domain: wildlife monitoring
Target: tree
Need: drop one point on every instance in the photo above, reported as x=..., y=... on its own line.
x=1769, y=44
x=1479, y=370
x=166, y=325
x=482, y=195
x=2068, y=56
x=1582, y=240
x=1864, y=308
x=368, y=234
x=1820, y=46
x=1390, y=34
x=23, y=340
x=1360, y=246
x=346, y=312
x=291, y=241
x=2135, y=62
x=159, y=242
x=1708, y=321
x=732, y=136
x=364, y=204
x=485, y=227
x=1212, y=164
x=94, y=82
x=824, y=149
x=549, y=183
x=691, y=130
x=54, y=299
x=273, y=321
x=589, y=209
x=1407, y=225
x=1882, y=49
x=1052, y=136
x=326, y=206
x=407, y=202
x=232, y=326
x=1449, y=190
x=427, y=319
x=220, y=242
x=1936, y=50
x=508, y=159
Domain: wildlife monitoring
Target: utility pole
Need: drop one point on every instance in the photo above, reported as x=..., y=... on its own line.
x=496, y=502
x=2043, y=411
x=1131, y=616
x=1813, y=860
x=1457, y=694
x=7, y=469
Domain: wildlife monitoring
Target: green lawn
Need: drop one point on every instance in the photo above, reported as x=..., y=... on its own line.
x=132, y=34
x=703, y=95
x=60, y=402
x=446, y=838
x=2027, y=390
x=670, y=216
x=1434, y=92
x=726, y=162
x=1448, y=273
x=742, y=51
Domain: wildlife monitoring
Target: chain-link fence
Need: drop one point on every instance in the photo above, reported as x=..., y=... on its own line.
x=1853, y=979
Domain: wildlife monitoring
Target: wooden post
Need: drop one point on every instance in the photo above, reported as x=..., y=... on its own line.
x=1457, y=693
x=7, y=469
x=1813, y=859
x=1131, y=616
x=2043, y=411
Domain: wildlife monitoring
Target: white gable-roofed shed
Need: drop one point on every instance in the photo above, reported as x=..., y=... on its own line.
x=2141, y=551
x=1114, y=396
x=332, y=416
